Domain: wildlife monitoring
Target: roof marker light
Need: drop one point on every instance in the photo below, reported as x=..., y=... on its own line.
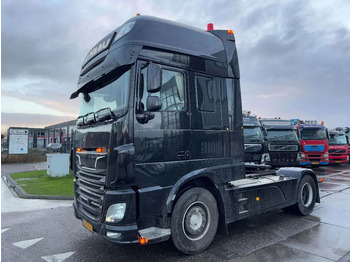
x=230, y=32
x=210, y=27
x=79, y=149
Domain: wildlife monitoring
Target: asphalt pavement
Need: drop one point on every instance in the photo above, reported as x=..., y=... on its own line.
x=32, y=230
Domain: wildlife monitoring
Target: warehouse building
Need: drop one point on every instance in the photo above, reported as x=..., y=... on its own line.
x=40, y=138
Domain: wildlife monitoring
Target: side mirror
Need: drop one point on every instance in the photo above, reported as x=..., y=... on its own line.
x=154, y=78
x=153, y=103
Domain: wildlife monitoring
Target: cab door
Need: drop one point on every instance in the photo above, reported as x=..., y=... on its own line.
x=161, y=136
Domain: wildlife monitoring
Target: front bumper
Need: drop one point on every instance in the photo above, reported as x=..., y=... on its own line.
x=313, y=163
x=128, y=233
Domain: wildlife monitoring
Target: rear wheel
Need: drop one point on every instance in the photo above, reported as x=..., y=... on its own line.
x=194, y=221
x=306, y=196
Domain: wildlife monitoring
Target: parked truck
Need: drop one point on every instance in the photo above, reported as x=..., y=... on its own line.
x=338, y=149
x=314, y=144
x=254, y=141
x=346, y=130
x=283, y=146
x=158, y=150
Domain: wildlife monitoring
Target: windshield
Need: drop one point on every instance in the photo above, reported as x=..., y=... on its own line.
x=252, y=134
x=113, y=96
x=282, y=135
x=313, y=134
x=337, y=140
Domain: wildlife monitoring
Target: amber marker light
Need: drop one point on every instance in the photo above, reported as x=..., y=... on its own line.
x=257, y=198
x=79, y=149
x=230, y=32
x=143, y=240
x=100, y=150
x=321, y=180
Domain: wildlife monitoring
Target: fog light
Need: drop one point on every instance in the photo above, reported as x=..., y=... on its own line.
x=113, y=234
x=116, y=213
x=298, y=157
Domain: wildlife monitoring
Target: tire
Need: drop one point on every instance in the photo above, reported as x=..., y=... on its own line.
x=306, y=196
x=194, y=221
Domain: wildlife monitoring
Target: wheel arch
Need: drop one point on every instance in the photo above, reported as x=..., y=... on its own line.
x=299, y=173
x=203, y=181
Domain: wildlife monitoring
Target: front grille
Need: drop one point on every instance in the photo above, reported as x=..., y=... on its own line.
x=283, y=157
x=337, y=151
x=283, y=147
x=90, y=191
x=252, y=158
x=315, y=158
x=250, y=148
x=314, y=148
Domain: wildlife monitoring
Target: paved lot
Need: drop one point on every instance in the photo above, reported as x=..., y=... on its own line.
x=38, y=232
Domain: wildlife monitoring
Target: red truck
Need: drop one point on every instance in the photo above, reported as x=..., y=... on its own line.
x=338, y=148
x=314, y=144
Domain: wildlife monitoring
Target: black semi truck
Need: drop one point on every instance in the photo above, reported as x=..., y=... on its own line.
x=158, y=150
x=282, y=142
x=254, y=141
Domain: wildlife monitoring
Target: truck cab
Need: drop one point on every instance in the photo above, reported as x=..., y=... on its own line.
x=338, y=149
x=254, y=141
x=158, y=149
x=314, y=144
x=346, y=130
x=282, y=142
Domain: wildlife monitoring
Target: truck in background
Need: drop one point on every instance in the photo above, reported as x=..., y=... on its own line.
x=314, y=144
x=338, y=147
x=346, y=130
x=282, y=143
x=254, y=141
x=158, y=149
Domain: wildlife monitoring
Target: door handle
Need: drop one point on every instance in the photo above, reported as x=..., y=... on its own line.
x=183, y=155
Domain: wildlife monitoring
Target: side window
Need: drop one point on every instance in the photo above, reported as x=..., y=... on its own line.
x=206, y=95
x=172, y=91
x=230, y=101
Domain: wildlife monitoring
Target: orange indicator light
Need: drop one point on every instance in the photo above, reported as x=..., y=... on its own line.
x=230, y=32
x=100, y=150
x=79, y=149
x=143, y=240
x=321, y=180
x=257, y=198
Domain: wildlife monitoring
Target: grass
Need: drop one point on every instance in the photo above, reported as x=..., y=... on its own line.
x=39, y=183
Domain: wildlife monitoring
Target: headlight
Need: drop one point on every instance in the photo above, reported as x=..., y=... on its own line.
x=298, y=157
x=326, y=155
x=116, y=213
x=302, y=155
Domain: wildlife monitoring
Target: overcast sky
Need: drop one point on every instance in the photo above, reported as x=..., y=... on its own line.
x=294, y=55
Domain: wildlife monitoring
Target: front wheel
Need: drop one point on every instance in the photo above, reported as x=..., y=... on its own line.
x=306, y=196
x=194, y=221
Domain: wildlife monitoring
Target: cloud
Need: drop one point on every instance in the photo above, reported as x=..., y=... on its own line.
x=30, y=120
x=294, y=55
